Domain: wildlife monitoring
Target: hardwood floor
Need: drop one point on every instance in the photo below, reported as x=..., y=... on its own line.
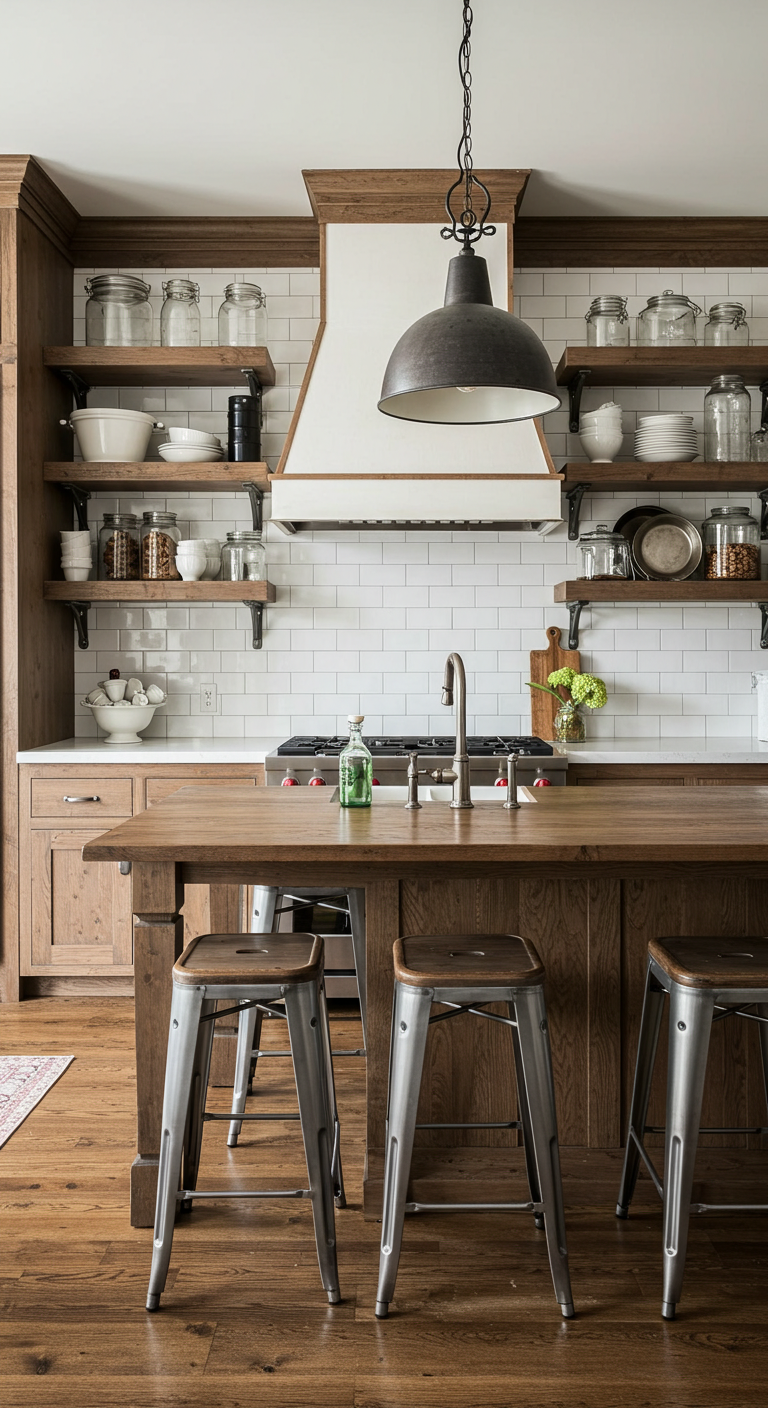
x=244, y=1318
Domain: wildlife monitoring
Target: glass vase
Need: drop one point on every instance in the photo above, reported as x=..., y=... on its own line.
x=570, y=726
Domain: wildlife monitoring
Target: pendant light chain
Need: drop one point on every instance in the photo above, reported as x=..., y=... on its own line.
x=466, y=228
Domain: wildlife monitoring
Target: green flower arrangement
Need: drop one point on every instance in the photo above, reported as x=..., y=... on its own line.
x=581, y=689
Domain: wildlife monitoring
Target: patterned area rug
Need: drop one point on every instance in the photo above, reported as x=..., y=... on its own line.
x=24, y=1080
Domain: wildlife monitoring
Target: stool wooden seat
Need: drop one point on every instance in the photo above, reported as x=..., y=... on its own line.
x=707, y=980
x=464, y=973
x=497, y=960
x=285, y=977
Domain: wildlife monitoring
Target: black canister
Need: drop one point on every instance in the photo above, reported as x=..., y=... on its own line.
x=244, y=429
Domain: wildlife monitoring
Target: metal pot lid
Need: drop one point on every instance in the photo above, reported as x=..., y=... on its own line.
x=668, y=548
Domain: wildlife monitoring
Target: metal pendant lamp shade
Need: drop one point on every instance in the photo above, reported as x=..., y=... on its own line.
x=468, y=363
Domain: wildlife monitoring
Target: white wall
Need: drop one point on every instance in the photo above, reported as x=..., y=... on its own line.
x=363, y=621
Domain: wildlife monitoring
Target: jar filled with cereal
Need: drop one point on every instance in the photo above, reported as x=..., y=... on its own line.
x=119, y=556
x=731, y=545
x=159, y=536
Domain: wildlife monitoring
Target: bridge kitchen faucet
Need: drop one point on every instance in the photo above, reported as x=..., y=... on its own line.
x=454, y=675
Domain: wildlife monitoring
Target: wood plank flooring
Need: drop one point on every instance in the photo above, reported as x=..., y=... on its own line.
x=244, y=1319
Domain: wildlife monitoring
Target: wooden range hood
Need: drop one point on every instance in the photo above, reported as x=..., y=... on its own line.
x=346, y=465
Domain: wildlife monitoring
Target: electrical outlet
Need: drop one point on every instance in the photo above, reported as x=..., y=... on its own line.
x=209, y=700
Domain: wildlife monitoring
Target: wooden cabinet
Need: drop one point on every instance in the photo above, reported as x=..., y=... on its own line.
x=76, y=925
x=667, y=774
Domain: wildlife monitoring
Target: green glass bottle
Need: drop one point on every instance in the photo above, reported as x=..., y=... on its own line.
x=355, y=768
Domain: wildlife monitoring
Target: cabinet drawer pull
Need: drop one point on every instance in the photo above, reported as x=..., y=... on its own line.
x=81, y=799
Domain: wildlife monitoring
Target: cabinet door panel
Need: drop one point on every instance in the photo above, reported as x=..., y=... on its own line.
x=101, y=796
x=159, y=787
x=80, y=916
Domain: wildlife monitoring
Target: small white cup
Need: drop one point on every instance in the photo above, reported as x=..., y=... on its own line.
x=115, y=689
x=76, y=574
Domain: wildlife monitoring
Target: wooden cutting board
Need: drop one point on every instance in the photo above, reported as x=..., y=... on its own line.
x=543, y=662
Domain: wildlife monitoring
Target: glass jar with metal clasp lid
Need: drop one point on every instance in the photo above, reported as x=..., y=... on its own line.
x=118, y=312
x=607, y=321
x=180, y=314
x=119, y=555
x=727, y=326
x=604, y=555
x=668, y=320
x=243, y=558
x=159, y=536
x=731, y=544
x=243, y=317
x=727, y=420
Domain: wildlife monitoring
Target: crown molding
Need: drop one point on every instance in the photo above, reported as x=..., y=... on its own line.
x=403, y=197
x=197, y=242
x=26, y=187
x=690, y=241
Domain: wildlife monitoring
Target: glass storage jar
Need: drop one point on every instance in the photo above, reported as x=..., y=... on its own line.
x=607, y=321
x=668, y=320
x=243, y=317
x=604, y=554
x=119, y=555
x=727, y=326
x=759, y=446
x=118, y=312
x=727, y=416
x=180, y=314
x=731, y=545
x=159, y=536
x=243, y=558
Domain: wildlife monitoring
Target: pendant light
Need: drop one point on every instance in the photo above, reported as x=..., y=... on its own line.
x=468, y=363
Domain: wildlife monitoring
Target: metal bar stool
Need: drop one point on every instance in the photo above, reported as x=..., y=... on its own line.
x=464, y=974
x=233, y=966
x=707, y=980
x=269, y=902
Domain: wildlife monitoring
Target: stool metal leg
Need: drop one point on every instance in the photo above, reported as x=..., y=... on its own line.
x=356, y=902
x=182, y=1040
x=650, y=1026
x=333, y=1113
x=249, y=1026
x=532, y=1027
x=193, y=1134
x=410, y=1024
x=305, y=1027
x=525, y=1120
x=690, y=1021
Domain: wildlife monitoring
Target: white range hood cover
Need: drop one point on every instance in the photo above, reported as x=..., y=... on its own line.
x=379, y=280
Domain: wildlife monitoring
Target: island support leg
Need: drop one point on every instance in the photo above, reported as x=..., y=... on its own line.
x=158, y=896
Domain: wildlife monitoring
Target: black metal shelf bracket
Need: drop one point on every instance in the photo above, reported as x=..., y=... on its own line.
x=574, y=612
x=575, y=389
x=764, y=408
x=257, y=623
x=254, y=386
x=78, y=386
x=80, y=611
x=574, y=497
x=80, y=497
x=256, y=496
x=764, y=629
x=763, y=497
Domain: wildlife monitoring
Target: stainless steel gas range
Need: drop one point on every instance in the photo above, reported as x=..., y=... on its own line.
x=317, y=759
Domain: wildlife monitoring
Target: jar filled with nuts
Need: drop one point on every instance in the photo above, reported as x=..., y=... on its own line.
x=119, y=559
x=159, y=536
x=731, y=545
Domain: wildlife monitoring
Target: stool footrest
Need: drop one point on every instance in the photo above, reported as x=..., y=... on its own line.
x=484, y=1124
x=474, y=1207
x=230, y=1117
x=713, y=1129
x=356, y=1051
x=187, y=1194
x=729, y=1207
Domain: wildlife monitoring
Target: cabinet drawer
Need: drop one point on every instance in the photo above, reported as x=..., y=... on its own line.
x=159, y=787
x=82, y=796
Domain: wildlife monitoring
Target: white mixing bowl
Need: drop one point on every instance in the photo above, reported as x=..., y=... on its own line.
x=105, y=434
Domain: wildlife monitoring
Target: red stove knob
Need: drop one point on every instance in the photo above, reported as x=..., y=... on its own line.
x=375, y=782
x=290, y=779
x=501, y=782
x=540, y=780
x=317, y=780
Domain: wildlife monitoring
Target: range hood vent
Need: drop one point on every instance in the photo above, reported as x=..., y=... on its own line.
x=345, y=465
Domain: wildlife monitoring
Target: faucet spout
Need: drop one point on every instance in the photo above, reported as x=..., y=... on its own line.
x=454, y=678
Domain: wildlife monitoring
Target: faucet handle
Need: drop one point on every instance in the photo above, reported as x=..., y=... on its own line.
x=443, y=775
x=512, y=804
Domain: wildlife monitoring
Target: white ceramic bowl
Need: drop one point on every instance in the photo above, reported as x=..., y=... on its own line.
x=123, y=725
x=76, y=574
x=601, y=446
x=181, y=435
x=189, y=454
x=105, y=434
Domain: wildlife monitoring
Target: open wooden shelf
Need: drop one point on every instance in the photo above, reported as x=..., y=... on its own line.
x=690, y=590
x=155, y=475
x=670, y=475
x=162, y=366
x=160, y=591
x=661, y=366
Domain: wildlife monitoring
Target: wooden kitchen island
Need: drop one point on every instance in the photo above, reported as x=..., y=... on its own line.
x=589, y=875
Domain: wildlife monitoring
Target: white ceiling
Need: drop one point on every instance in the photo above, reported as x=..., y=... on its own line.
x=174, y=107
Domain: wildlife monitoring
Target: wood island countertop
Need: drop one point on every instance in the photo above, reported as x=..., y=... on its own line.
x=566, y=825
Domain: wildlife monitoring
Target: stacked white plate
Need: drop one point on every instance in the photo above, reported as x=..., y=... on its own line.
x=671, y=437
x=190, y=454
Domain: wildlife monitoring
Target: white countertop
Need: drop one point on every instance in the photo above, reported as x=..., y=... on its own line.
x=665, y=750
x=154, y=750
x=254, y=750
